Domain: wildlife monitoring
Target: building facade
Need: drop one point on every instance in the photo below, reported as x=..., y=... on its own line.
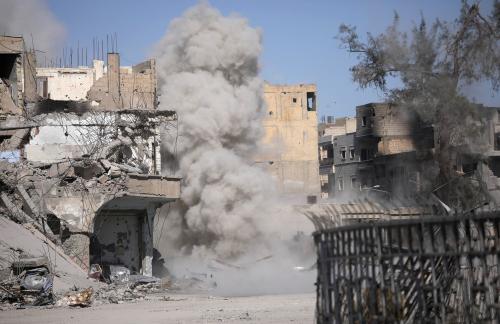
x=290, y=140
x=80, y=156
x=327, y=133
x=108, y=86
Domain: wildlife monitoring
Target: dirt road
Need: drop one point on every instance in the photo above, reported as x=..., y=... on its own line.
x=179, y=309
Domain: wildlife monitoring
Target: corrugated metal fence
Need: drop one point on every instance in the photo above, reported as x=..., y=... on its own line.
x=430, y=270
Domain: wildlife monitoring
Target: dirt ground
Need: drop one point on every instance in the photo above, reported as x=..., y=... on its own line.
x=297, y=308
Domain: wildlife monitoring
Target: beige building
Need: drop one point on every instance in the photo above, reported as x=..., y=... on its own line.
x=291, y=136
x=108, y=86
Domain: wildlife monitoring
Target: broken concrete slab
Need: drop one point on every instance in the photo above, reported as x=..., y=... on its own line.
x=89, y=170
x=114, y=172
x=127, y=168
x=15, y=212
x=20, y=216
x=28, y=240
x=61, y=169
x=103, y=178
x=28, y=203
x=106, y=164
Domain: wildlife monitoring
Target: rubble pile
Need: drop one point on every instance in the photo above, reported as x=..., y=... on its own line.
x=80, y=182
x=30, y=282
x=23, y=185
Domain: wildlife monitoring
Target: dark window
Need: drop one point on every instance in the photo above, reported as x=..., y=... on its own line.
x=497, y=141
x=329, y=152
x=364, y=154
x=294, y=100
x=7, y=66
x=351, y=153
x=343, y=153
x=353, y=183
x=363, y=121
x=380, y=171
x=311, y=101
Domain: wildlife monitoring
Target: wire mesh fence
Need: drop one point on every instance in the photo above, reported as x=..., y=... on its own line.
x=430, y=270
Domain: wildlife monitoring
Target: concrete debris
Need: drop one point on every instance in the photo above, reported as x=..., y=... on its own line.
x=79, y=181
x=118, y=274
x=28, y=203
x=95, y=272
x=64, y=169
x=82, y=298
x=30, y=283
x=103, y=179
x=20, y=216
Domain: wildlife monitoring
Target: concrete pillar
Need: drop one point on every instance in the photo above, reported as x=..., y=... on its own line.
x=147, y=238
x=114, y=78
x=29, y=65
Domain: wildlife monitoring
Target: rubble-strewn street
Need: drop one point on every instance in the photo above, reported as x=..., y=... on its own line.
x=175, y=308
x=172, y=162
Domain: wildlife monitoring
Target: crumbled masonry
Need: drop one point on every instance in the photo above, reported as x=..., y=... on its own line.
x=82, y=174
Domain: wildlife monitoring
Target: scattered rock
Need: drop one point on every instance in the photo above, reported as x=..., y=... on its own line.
x=103, y=178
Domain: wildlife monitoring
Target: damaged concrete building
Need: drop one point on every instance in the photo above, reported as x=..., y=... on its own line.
x=110, y=86
x=17, y=75
x=383, y=155
x=80, y=156
x=328, y=132
x=291, y=137
x=391, y=149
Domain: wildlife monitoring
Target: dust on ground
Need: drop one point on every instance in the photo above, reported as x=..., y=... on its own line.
x=178, y=308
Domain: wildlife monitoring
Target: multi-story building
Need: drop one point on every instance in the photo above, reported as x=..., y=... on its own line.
x=327, y=133
x=80, y=159
x=291, y=137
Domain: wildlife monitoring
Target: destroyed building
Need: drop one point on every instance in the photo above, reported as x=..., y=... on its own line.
x=109, y=86
x=17, y=74
x=80, y=156
x=291, y=137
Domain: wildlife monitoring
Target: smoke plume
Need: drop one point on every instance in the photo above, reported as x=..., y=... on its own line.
x=208, y=66
x=31, y=18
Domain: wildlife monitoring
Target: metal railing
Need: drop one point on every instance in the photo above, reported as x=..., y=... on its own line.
x=430, y=270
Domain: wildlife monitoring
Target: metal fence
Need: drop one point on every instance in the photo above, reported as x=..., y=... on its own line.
x=431, y=270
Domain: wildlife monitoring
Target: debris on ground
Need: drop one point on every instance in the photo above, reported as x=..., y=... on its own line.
x=119, y=274
x=81, y=299
x=29, y=283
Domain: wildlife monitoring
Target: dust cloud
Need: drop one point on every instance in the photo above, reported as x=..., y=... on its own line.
x=229, y=224
x=33, y=20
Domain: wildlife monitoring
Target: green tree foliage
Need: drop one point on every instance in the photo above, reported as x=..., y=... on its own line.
x=431, y=64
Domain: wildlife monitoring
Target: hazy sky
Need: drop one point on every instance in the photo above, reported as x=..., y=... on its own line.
x=299, y=36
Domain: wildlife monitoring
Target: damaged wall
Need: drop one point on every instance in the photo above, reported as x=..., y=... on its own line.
x=59, y=136
x=290, y=141
x=17, y=74
x=78, y=165
x=110, y=87
x=66, y=83
x=126, y=88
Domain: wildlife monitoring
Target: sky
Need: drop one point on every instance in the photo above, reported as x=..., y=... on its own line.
x=298, y=36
